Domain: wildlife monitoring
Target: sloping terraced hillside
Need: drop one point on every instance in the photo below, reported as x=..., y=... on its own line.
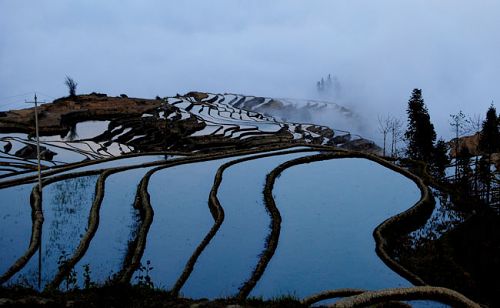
x=179, y=193
x=93, y=127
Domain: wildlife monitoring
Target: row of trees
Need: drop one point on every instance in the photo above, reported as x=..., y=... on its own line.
x=391, y=129
x=329, y=87
x=421, y=136
x=421, y=144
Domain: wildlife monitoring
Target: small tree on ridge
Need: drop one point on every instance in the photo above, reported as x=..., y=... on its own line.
x=71, y=84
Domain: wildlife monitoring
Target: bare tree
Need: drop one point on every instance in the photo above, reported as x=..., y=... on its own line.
x=459, y=124
x=397, y=134
x=384, y=126
x=71, y=84
x=474, y=123
x=474, y=126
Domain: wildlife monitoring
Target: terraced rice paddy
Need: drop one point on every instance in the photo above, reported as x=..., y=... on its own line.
x=230, y=258
x=329, y=211
x=118, y=222
x=66, y=208
x=262, y=219
x=182, y=218
x=15, y=226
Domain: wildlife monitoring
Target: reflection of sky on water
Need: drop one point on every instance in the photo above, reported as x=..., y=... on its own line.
x=15, y=224
x=329, y=211
x=179, y=197
x=232, y=255
x=117, y=222
x=66, y=205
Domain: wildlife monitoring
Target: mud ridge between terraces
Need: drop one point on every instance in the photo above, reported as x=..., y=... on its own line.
x=58, y=169
x=142, y=197
x=217, y=212
x=422, y=207
x=36, y=198
x=143, y=203
x=93, y=224
x=37, y=216
x=330, y=294
x=136, y=247
x=36, y=229
x=37, y=222
x=360, y=298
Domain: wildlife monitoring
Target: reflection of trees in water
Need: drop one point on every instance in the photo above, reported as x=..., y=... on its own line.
x=28, y=279
x=72, y=134
x=444, y=218
x=68, y=204
x=133, y=227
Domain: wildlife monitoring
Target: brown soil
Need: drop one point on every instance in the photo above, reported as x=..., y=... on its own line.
x=472, y=145
x=57, y=117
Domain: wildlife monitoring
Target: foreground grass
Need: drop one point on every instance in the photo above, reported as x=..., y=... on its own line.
x=124, y=296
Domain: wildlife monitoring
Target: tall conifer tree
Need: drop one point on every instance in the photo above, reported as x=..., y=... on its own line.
x=489, y=143
x=420, y=133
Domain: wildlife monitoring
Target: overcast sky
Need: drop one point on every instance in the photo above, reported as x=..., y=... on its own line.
x=379, y=50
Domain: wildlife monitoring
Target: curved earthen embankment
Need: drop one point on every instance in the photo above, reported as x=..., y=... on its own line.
x=93, y=223
x=222, y=151
x=58, y=169
x=36, y=201
x=37, y=213
x=423, y=207
x=37, y=222
x=218, y=213
x=37, y=218
x=439, y=294
x=137, y=246
x=142, y=204
x=330, y=294
x=36, y=231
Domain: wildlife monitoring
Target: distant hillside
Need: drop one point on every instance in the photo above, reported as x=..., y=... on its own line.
x=97, y=126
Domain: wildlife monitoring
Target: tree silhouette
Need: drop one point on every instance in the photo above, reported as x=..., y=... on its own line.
x=420, y=133
x=396, y=130
x=489, y=143
x=441, y=159
x=464, y=171
x=458, y=123
x=71, y=84
x=384, y=125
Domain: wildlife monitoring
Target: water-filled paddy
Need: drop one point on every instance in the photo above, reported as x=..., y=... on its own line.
x=444, y=218
x=15, y=224
x=232, y=255
x=117, y=224
x=66, y=205
x=119, y=162
x=329, y=210
x=179, y=196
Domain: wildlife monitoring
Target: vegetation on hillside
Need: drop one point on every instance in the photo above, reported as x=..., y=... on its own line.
x=459, y=247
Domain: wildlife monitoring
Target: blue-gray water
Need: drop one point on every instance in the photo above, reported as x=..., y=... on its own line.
x=66, y=205
x=232, y=255
x=179, y=196
x=118, y=220
x=329, y=211
x=15, y=224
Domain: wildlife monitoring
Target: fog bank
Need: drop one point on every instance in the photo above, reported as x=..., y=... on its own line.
x=378, y=50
